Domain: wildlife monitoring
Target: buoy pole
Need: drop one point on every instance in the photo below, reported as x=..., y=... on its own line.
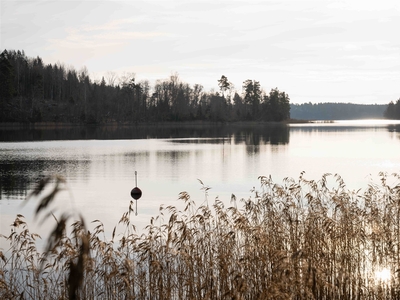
x=136, y=193
x=136, y=186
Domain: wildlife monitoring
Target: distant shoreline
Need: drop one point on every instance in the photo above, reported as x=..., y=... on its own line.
x=49, y=125
x=115, y=125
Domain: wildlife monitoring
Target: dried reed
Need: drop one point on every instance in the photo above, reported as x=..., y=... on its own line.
x=302, y=239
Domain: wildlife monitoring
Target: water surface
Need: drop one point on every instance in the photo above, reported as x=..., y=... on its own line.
x=99, y=163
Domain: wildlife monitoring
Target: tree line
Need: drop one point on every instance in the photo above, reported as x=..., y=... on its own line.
x=32, y=91
x=393, y=110
x=336, y=111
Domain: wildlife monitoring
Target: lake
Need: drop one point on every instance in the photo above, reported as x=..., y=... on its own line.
x=99, y=164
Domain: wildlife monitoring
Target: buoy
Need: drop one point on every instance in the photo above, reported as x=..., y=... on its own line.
x=136, y=193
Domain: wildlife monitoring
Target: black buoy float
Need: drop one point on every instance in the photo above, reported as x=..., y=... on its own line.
x=136, y=193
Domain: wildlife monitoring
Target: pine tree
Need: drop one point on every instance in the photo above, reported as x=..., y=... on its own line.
x=6, y=78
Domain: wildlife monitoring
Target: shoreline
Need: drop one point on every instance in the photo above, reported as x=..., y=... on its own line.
x=50, y=125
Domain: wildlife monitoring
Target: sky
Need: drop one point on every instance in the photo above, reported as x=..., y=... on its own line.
x=316, y=51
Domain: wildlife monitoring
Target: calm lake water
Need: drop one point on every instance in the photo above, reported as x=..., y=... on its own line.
x=99, y=164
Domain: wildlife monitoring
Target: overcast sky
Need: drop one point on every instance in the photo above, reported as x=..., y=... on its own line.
x=316, y=51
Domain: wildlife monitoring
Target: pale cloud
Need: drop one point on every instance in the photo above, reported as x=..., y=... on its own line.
x=365, y=5
x=83, y=43
x=115, y=25
x=111, y=25
x=112, y=33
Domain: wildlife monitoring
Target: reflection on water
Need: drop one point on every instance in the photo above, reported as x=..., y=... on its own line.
x=394, y=128
x=99, y=163
x=18, y=176
x=255, y=133
x=21, y=166
x=14, y=179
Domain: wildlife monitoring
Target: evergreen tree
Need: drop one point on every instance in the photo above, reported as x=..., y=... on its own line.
x=6, y=78
x=252, y=97
x=393, y=110
x=224, y=85
x=276, y=106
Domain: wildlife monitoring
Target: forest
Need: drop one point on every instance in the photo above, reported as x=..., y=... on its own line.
x=32, y=91
x=393, y=110
x=337, y=111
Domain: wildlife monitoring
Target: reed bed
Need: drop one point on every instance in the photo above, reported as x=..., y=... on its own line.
x=302, y=239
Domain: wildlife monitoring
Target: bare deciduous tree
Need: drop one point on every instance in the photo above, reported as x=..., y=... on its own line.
x=111, y=78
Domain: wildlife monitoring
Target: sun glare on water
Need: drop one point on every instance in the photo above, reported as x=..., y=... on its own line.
x=366, y=122
x=383, y=275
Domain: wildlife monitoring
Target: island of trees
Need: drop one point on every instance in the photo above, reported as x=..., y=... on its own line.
x=393, y=110
x=32, y=91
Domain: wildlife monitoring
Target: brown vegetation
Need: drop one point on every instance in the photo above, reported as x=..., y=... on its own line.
x=299, y=240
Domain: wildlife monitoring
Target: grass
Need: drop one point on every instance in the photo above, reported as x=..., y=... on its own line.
x=302, y=239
